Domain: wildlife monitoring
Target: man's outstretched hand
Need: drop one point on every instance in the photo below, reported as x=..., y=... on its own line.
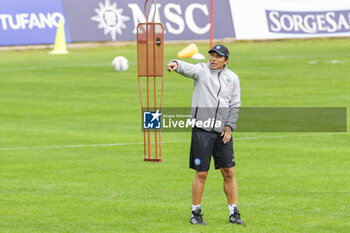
x=227, y=133
x=171, y=66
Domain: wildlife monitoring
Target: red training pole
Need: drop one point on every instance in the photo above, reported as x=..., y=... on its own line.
x=211, y=23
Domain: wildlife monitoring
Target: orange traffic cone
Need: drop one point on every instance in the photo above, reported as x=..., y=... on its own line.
x=188, y=51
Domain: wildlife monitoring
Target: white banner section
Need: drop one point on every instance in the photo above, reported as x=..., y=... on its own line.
x=274, y=19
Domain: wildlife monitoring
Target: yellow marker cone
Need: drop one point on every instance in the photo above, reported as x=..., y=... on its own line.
x=189, y=51
x=60, y=42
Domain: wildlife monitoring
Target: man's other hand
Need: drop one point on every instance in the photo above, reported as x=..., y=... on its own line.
x=227, y=133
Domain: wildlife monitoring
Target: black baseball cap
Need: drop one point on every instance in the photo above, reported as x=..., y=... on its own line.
x=221, y=50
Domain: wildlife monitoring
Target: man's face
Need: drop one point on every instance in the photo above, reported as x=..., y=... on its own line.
x=217, y=61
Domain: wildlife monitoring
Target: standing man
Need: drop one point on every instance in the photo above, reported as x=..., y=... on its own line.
x=216, y=95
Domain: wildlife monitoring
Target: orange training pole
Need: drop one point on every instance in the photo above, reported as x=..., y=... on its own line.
x=150, y=60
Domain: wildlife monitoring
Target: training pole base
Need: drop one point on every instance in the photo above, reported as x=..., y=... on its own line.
x=153, y=160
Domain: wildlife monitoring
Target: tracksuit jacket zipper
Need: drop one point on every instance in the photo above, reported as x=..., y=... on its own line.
x=217, y=95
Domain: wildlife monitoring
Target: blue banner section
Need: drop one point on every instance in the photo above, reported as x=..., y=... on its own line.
x=115, y=20
x=24, y=22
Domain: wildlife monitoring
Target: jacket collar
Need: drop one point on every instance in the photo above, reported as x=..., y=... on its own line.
x=217, y=71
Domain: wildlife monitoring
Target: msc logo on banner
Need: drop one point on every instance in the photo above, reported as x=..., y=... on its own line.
x=110, y=18
x=151, y=120
x=115, y=16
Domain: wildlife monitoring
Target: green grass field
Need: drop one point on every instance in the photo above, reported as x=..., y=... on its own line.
x=287, y=182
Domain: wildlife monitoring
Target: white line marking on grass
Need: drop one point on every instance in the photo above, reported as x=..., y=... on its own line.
x=60, y=66
x=334, y=61
x=293, y=56
x=80, y=146
x=141, y=143
x=54, y=67
x=291, y=136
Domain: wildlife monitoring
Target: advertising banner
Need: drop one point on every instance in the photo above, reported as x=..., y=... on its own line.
x=30, y=22
x=114, y=20
x=273, y=19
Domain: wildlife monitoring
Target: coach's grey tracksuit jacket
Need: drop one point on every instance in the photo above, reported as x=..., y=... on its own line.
x=216, y=94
